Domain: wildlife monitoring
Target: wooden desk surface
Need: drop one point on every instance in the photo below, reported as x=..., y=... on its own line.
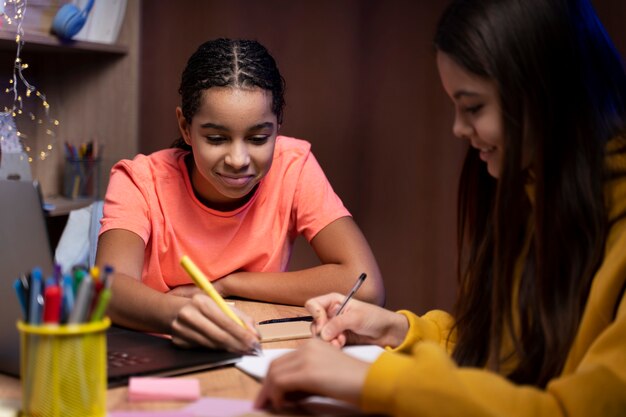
x=228, y=382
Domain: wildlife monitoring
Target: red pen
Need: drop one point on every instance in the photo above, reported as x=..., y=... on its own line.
x=52, y=304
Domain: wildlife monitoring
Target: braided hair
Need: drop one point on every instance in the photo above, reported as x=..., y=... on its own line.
x=229, y=63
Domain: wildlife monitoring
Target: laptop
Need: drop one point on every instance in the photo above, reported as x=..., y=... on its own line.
x=24, y=245
x=132, y=353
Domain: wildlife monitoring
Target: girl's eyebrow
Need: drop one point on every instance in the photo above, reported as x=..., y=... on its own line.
x=263, y=125
x=210, y=125
x=258, y=126
x=464, y=93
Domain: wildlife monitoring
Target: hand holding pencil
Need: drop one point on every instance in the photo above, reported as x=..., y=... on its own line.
x=215, y=321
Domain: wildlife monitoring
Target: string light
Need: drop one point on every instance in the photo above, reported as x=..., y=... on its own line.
x=18, y=80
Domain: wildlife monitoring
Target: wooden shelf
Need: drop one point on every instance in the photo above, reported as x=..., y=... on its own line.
x=41, y=42
x=60, y=206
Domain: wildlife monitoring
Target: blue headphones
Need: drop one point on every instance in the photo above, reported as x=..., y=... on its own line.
x=69, y=20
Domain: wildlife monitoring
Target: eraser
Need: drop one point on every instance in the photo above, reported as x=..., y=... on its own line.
x=163, y=389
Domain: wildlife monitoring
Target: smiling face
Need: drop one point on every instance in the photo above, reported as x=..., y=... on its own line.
x=232, y=135
x=478, y=117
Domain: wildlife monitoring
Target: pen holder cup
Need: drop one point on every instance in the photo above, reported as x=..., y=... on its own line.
x=63, y=369
x=81, y=178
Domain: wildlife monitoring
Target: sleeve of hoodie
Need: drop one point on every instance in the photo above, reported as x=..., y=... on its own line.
x=420, y=379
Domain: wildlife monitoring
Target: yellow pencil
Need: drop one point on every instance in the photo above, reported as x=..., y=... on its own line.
x=202, y=281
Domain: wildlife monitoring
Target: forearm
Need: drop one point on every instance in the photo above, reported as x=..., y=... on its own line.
x=298, y=286
x=140, y=307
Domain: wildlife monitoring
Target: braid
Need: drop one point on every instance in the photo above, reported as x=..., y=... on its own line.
x=229, y=63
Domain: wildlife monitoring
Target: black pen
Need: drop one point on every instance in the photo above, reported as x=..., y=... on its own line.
x=354, y=289
x=287, y=319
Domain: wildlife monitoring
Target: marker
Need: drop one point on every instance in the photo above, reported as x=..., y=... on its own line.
x=68, y=296
x=21, y=295
x=83, y=302
x=79, y=274
x=287, y=319
x=36, y=298
x=57, y=273
x=201, y=281
x=101, y=305
x=107, y=276
x=95, y=273
x=52, y=302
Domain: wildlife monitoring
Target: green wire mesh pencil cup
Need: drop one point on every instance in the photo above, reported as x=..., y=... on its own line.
x=81, y=178
x=63, y=369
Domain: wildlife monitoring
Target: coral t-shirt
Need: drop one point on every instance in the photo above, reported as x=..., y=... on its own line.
x=152, y=196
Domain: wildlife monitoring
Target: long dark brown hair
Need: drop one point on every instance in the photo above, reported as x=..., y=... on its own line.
x=562, y=92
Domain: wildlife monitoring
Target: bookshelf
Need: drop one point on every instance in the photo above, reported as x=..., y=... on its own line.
x=93, y=91
x=41, y=42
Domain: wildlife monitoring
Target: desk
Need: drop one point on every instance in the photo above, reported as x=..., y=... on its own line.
x=228, y=382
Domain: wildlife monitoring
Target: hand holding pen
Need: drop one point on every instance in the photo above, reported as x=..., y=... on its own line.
x=212, y=323
x=341, y=320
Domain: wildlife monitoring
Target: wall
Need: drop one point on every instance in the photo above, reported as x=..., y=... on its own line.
x=362, y=87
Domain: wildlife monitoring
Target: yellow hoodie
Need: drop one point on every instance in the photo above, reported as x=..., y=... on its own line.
x=419, y=378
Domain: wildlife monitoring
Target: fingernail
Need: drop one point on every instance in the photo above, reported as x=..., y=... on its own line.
x=256, y=349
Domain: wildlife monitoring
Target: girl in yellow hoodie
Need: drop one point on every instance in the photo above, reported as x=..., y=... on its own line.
x=539, y=327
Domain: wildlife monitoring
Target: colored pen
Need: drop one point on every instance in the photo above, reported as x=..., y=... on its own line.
x=107, y=276
x=51, y=302
x=83, y=302
x=68, y=296
x=57, y=273
x=287, y=319
x=79, y=274
x=36, y=297
x=202, y=281
x=25, y=279
x=353, y=291
x=21, y=295
x=101, y=305
x=103, y=295
x=95, y=273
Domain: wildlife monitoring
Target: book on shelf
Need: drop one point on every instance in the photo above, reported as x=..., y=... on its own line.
x=104, y=21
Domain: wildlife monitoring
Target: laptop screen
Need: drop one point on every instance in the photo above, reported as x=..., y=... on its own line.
x=24, y=245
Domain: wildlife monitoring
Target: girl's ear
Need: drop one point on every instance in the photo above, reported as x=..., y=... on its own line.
x=183, y=126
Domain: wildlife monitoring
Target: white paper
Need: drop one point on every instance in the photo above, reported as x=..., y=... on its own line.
x=257, y=366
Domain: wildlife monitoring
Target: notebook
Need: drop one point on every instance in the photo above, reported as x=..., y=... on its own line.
x=23, y=245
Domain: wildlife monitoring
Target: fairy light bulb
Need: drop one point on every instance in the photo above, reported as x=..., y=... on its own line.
x=19, y=81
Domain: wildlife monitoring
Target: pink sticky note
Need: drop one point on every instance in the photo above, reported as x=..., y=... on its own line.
x=163, y=389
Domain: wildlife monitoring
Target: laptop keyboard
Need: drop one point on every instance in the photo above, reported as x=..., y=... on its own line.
x=120, y=359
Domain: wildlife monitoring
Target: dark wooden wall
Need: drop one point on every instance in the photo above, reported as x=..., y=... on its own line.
x=362, y=87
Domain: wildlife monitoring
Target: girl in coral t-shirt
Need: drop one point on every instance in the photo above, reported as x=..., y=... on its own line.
x=232, y=195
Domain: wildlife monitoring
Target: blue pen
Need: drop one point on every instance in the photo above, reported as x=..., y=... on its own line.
x=36, y=297
x=68, y=296
x=106, y=276
x=21, y=295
